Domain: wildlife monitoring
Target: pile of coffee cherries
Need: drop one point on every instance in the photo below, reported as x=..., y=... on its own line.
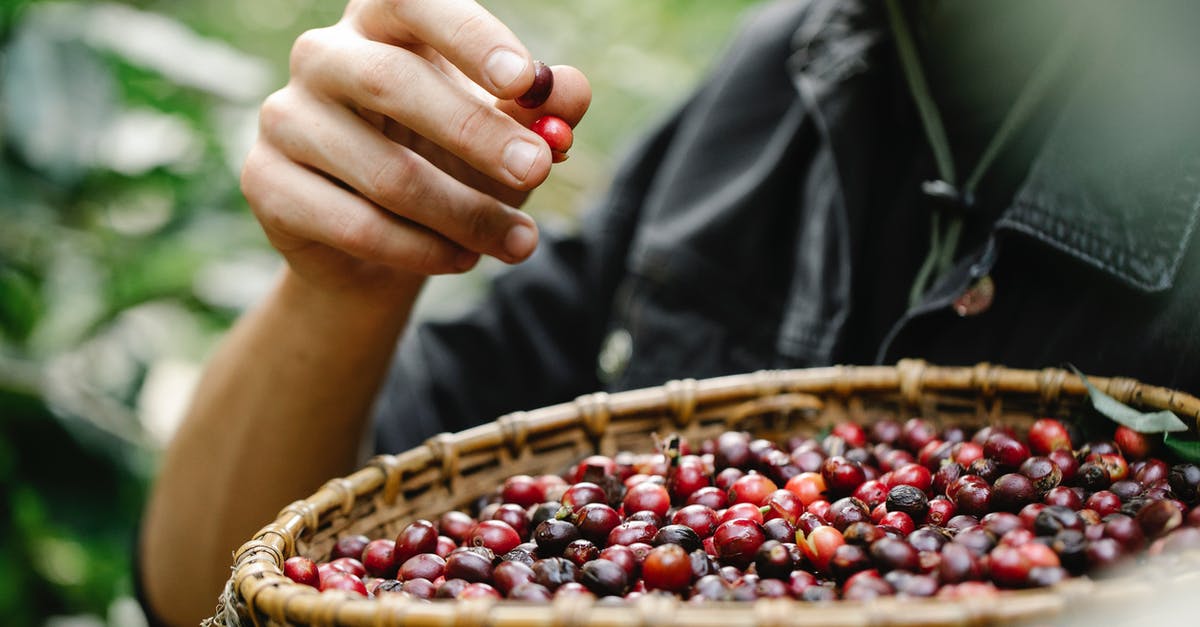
x=891, y=509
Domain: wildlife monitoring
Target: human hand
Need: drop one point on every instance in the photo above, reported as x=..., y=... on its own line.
x=396, y=150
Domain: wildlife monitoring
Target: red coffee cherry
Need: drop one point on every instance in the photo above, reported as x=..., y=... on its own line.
x=557, y=133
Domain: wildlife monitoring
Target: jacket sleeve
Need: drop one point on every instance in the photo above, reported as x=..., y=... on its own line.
x=534, y=338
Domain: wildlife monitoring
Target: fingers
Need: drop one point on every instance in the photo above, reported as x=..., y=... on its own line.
x=334, y=140
x=295, y=204
x=408, y=89
x=477, y=43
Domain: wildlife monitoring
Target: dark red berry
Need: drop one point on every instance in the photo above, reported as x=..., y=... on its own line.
x=847, y=560
x=349, y=546
x=596, y=520
x=1044, y=473
x=468, y=565
x=456, y=525
x=556, y=132
x=752, y=488
x=496, y=535
x=1012, y=491
x=1048, y=434
x=736, y=541
x=543, y=83
x=604, y=578
x=842, y=476
x=522, y=490
x=450, y=588
x=941, y=510
x=647, y=496
x=338, y=580
x=425, y=566
x=1008, y=451
x=349, y=565
x=478, y=590
x=378, y=557
x=581, y=551
x=1008, y=567
x=1064, y=496
x=667, y=567
x=702, y=519
x=1184, y=480
x=583, y=493
x=711, y=497
x=916, y=433
x=302, y=570
x=628, y=533
x=554, y=571
x=552, y=536
x=682, y=535
x=1159, y=518
x=508, y=575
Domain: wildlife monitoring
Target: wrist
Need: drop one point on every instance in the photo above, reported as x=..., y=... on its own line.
x=366, y=305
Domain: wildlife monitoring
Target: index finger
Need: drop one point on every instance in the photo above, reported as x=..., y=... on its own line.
x=470, y=37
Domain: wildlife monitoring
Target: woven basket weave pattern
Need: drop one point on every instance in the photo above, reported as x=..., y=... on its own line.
x=452, y=470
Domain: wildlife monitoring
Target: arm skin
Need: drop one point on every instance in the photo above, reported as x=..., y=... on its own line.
x=281, y=409
x=395, y=152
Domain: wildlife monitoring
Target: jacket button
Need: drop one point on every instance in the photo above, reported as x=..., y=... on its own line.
x=614, y=356
x=977, y=298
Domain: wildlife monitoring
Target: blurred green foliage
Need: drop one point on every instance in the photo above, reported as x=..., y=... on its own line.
x=126, y=248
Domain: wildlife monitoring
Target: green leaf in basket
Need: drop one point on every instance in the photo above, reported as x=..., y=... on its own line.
x=1187, y=450
x=1120, y=413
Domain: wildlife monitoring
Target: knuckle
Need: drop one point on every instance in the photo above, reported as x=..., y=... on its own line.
x=379, y=76
x=433, y=256
x=252, y=180
x=482, y=228
x=470, y=31
x=309, y=46
x=258, y=188
x=469, y=124
x=391, y=184
x=274, y=113
x=356, y=237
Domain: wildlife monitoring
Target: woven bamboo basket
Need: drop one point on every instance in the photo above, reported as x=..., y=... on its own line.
x=451, y=470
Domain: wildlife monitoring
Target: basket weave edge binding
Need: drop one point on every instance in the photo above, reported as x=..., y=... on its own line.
x=252, y=591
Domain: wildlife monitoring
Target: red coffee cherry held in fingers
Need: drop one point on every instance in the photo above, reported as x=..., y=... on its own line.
x=543, y=84
x=557, y=133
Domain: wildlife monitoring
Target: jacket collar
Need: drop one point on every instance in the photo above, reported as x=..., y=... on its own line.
x=1116, y=184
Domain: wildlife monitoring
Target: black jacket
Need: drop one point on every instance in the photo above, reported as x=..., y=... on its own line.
x=769, y=223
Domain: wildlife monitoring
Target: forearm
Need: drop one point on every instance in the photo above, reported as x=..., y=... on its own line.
x=282, y=408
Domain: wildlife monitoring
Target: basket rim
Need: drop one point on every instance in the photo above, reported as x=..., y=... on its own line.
x=257, y=577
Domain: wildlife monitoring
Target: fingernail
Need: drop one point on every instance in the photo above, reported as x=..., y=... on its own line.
x=504, y=67
x=519, y=241
x=519, y=157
